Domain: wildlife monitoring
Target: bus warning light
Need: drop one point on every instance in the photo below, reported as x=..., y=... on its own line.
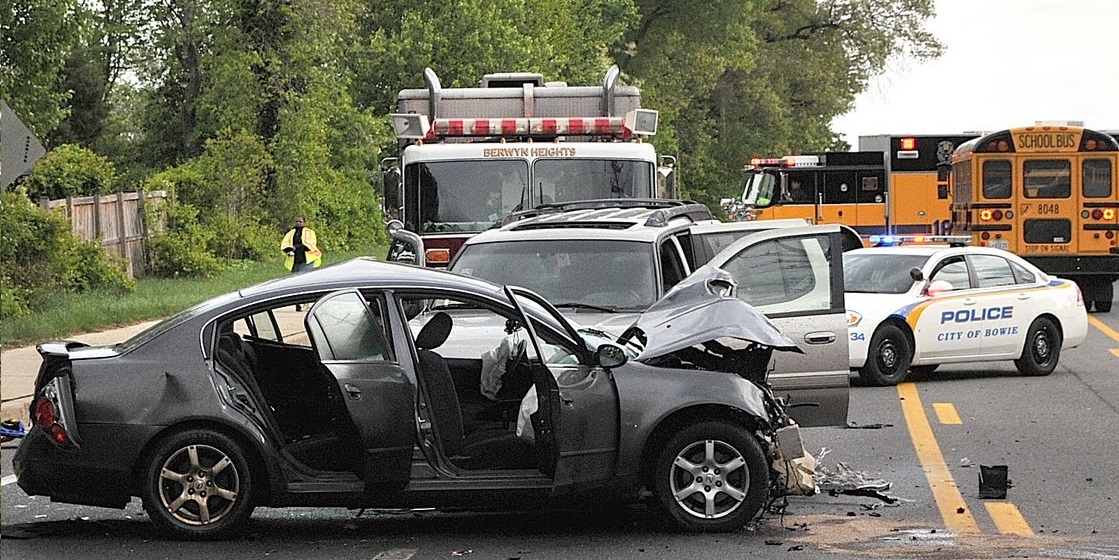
x=908, y=144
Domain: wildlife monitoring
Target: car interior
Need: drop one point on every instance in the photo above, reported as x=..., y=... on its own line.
x=303, y=399
x=278, y=365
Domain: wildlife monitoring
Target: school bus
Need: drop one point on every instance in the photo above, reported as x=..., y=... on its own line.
x=895, y=184
x=1048, y=194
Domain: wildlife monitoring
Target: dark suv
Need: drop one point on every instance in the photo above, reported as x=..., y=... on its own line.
x=604, y=262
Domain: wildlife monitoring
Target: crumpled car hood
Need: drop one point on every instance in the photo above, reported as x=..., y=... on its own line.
x=704, y=308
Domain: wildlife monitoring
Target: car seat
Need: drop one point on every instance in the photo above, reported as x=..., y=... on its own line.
x=482, y=448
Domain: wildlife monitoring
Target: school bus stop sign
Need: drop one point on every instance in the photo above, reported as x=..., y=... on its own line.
x=19, y=148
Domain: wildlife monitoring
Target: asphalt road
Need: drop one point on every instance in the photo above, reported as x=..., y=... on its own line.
x=1055, y=434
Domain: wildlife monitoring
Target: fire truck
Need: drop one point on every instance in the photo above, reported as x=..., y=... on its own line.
x=470, y=156
x=895, y=184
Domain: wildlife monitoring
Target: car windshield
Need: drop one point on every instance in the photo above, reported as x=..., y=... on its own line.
x=592, y=275
x=865, y=273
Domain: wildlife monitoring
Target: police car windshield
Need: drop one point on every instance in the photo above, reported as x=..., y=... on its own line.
x=866, y=273
x=592, y=275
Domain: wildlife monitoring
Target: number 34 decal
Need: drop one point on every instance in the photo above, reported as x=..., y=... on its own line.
x=856, y=336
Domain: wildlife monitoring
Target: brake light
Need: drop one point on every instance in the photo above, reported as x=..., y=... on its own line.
x=997, y=215
x=1097, y=214
x=45, y=412
x=59, y=435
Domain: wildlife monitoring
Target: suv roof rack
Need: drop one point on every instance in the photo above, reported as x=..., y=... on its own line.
x=667, y=209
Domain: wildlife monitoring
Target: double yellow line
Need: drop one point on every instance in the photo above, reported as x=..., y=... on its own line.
x=957, y=516
x=953, y=509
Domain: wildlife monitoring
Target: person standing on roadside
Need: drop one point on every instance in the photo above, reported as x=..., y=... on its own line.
x=301, y=247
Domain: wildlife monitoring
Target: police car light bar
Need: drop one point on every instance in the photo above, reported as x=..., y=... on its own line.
x=575, y=126
x=890, y=240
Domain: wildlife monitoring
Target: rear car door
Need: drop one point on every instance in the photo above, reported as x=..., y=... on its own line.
x=349, y=336
x=795, y=276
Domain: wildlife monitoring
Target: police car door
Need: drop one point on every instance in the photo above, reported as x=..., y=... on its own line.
x=1008, y=308
x=795, y=276
x=943, y=325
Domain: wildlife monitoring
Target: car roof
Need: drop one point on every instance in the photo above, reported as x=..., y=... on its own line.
x=641, y=220
x=367, y=271
x=924, y=250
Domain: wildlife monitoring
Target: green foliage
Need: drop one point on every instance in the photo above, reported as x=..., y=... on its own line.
x=71, y=170
x=36, y=37
x=182, y=247
x=42, y=258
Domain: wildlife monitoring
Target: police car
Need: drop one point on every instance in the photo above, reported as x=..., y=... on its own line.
x=912, y=307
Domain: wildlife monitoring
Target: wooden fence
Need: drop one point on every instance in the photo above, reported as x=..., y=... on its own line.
x=117, y=220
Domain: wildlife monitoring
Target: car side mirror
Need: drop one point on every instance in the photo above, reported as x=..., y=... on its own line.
x=937, y=287
x=916, y=274
x=610, y=355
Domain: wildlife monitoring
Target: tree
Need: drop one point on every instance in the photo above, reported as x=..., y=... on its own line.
x=36, y=37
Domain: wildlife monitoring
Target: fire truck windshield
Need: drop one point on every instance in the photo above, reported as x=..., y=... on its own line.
x=567, y=180
x=462, y=196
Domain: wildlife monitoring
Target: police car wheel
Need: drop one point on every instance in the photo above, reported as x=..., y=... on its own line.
x=889, y=357
x=1042, y=349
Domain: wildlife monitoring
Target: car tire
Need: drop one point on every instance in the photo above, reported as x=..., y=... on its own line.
x=887, y=361
x=923, y=370
x=192, y=469
x=725, y=467
x=1042, y=348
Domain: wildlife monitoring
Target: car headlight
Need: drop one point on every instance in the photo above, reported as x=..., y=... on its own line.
x=853, y=318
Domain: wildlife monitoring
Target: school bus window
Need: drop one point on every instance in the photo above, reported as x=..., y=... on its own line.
x=961, y=180
x=996, y=179
x=1047, y=178
x=1097, y=178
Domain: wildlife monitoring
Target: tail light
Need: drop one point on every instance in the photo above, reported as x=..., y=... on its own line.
x=45, y=413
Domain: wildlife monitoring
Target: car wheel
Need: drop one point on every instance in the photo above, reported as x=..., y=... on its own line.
x=923, y=370
x=888, y=360
x=1042, y=348
x=712, y=476
x=197, y=485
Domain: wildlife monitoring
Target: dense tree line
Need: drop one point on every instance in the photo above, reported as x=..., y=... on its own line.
x=251, y=111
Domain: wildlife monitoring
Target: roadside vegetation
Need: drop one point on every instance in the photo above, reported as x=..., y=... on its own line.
x=73, y=313
x=248, y=114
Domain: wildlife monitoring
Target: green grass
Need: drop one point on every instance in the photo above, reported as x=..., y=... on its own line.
x=71, y=314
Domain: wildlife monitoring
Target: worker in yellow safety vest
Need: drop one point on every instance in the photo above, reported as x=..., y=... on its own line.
x=301, y=248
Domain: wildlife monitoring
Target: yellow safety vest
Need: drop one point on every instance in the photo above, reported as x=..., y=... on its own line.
x=314, y=255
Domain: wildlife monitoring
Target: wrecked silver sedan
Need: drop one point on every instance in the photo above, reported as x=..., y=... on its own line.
x=242, y=401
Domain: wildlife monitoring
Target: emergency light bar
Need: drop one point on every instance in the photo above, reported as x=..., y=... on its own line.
x=787, y=161
x=891, y=240
x=642, y=122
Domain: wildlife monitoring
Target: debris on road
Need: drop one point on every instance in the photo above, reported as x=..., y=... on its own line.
x=993, y=482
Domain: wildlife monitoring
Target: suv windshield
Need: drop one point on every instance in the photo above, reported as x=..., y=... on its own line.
x=596, y=275
x=879, y=274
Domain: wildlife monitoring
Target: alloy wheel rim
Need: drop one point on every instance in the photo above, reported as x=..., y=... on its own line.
x=709, y=479
x=198, y=485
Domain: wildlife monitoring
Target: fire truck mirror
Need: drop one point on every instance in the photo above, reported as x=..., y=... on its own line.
x=391, y=192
